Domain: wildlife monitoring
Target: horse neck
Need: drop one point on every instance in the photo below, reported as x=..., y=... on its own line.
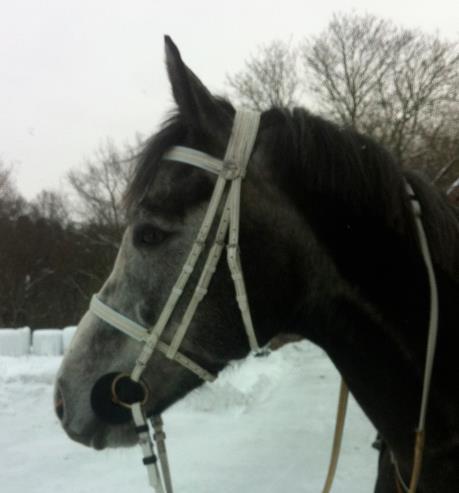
x=374, y=326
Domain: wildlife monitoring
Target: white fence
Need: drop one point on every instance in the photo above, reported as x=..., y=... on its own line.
x=43, y=342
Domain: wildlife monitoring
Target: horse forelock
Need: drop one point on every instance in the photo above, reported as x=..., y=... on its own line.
x=171, y=133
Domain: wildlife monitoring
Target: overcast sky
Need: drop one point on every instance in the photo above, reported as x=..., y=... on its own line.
x=75, y=72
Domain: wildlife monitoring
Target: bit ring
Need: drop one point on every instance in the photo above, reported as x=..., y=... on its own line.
x=128, y=405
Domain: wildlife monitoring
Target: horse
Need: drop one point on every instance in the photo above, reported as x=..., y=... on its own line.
x=330, y=253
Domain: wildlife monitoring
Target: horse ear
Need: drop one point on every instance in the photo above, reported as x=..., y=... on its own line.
x=196, y=104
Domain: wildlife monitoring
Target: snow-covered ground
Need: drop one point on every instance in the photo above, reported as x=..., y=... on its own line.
x=265, y=426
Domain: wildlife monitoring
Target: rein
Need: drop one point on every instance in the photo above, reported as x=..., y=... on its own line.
x=225, y=203
x=411, y=487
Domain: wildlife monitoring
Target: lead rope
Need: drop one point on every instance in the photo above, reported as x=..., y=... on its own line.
x=149, y=457
x=430, y=350
x=160, y=440
x=428, y=369
x=338, y=436
x=150, y=460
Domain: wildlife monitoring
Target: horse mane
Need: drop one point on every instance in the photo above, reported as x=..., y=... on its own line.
x=354, y=179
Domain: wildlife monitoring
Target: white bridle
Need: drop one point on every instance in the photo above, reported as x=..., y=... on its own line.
x=227, y=193
x=226, y=198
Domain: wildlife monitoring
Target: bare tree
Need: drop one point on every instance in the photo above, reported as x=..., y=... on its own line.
x=5, y=178
x=346, y=63
x=49, y=264
x=438, y=151
x=419, y=100
x=398, y=85
x=269, y=78
x=11, y=202
x=52, y=206
x=100, y=186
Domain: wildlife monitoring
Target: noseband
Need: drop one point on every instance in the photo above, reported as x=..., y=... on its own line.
x=225, y=203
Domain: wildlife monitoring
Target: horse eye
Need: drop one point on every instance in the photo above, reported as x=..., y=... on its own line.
x=149, y=236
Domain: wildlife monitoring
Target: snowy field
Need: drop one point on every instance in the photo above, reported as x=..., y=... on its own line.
x=265, y=426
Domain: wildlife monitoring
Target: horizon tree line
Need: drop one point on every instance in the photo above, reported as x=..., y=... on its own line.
x=399, y=86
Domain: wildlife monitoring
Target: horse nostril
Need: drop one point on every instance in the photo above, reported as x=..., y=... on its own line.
x=59, y=404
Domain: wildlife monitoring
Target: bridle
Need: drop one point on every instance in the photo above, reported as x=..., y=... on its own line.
x=225, y=204
x=225, y=201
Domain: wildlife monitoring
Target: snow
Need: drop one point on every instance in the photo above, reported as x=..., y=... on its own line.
x=265, y=426
x=47, y=342
x=44, y=342
x=14, y=342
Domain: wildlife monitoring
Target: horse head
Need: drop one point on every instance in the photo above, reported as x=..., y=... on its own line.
x=327, y=230
x=167, y=202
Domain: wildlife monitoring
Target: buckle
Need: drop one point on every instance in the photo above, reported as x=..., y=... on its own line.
x=231, y=170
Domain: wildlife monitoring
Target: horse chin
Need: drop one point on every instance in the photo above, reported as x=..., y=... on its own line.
x=106, y=437
x=115, y=437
